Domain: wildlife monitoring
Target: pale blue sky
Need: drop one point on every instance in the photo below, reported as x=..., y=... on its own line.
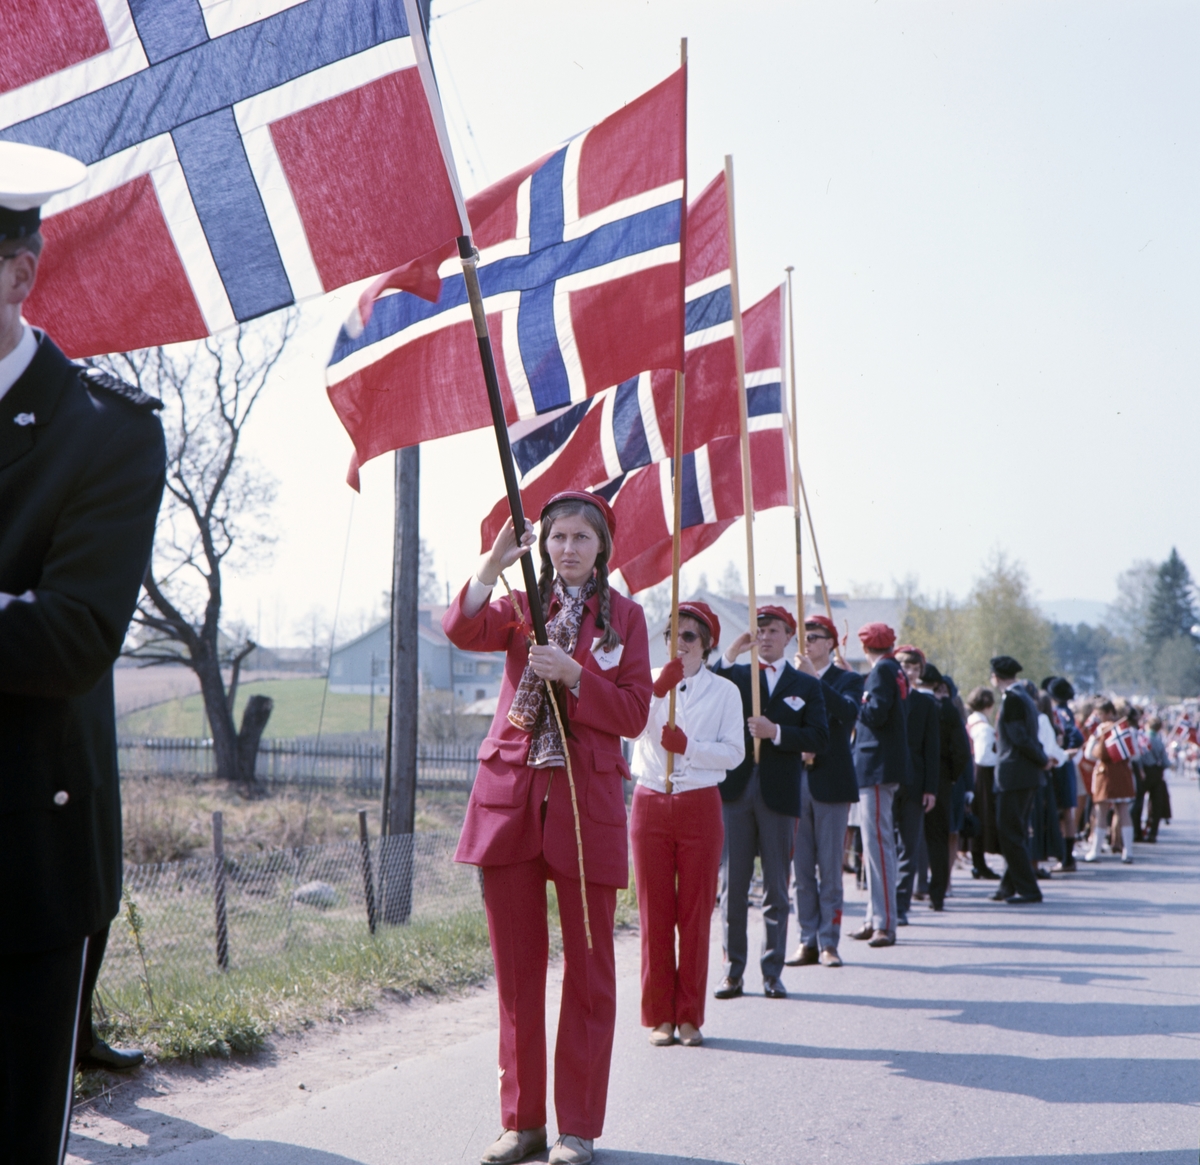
x=991, y=209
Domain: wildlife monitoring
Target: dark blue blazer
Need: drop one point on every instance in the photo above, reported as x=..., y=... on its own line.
x=881, y=743
x=1020, y=758
x=803, y=729
x=924, y=742
x=831, y=776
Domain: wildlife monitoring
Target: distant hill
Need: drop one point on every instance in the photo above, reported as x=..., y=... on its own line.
x=1075, y=611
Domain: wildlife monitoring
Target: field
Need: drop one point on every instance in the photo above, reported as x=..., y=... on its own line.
x=297, y=712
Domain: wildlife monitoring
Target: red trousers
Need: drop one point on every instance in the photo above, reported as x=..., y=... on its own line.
x=515, y=899
x=677, y=841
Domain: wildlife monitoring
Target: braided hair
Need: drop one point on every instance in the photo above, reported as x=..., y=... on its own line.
x=572, y=507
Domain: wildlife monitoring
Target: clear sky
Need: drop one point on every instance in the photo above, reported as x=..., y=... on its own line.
x=992, y=212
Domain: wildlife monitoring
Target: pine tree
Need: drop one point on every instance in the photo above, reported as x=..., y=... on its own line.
x=1171, y=611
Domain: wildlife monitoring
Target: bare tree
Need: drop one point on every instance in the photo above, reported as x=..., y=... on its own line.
x=214, y=515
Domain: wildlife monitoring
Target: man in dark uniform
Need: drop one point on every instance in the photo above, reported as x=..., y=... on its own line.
x=918, y=794
x=954, y=750
x=1021, y=765
x=881, y=765
x=81, y=474
x=761, y=801
x=828, y=787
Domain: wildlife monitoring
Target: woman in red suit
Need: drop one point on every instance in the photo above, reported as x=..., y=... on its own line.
x=520, y=826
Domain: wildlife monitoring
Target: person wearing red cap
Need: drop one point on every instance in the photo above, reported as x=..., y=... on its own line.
x=917, y=794
x=520, y=826
x=828, y=787
x=677, y=836
x=881, y=765
x=762, y=800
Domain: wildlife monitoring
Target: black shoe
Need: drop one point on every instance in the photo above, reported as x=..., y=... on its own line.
x=902, y=917
x=773, y=988
x=111, y=1059
x=728, y=989
x=985, y=872
x=1040, y=873
x=1068, y=866
x=1002, y=895
x=1023, y=899
x=937, y=904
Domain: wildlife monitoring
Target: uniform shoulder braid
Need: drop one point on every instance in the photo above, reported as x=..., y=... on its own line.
x=96, y=378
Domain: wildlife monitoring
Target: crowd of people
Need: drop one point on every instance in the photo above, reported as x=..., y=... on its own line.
x=819, y=771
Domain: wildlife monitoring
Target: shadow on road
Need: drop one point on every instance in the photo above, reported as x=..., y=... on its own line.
x=1073, y=1080
x=1150, y=1157
x=1047, y=1019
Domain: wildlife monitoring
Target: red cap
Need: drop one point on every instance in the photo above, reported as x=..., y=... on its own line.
x=910, y=650
x=780, y=613
x=580, y=495
x=877, y=637
x=706, y=615
x=823, y=621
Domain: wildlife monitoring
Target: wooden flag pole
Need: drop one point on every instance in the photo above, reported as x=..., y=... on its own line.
x=794, y=427
x=470, y=257
x=744, y=425
x=676, y=532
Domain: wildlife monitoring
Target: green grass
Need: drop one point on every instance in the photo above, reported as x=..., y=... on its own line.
x=297, y=712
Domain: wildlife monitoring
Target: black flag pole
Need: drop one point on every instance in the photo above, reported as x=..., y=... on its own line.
x=469, y=257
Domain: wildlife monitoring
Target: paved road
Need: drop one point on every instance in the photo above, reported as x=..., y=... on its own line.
x=1064, y=1034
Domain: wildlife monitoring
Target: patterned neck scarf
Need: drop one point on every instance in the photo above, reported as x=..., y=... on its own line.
x=531, y=711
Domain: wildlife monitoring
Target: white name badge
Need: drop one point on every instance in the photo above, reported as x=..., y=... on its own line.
x=793, y=702
x=606, y=659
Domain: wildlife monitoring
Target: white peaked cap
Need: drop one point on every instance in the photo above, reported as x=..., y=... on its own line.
x=30, y=175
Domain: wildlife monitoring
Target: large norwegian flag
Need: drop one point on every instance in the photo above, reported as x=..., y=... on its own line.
x=237, y=163
x=712, y=474
x=581, y=273
x=632, y=424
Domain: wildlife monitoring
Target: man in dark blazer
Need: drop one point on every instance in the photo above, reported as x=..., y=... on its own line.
x=881, y=765
x=762, y=799
x=954, y=750
x=81, y=475
x=918, y=793
x=1021, y=766
x=828, y=787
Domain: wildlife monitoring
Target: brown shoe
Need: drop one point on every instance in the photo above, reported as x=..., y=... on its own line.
x=883, y=938
x=830, y=957
x=514, y=1145
x=805, y=956
x=728, y=989
x=863, y=932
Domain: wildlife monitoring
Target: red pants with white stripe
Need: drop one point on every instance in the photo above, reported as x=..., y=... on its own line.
x=676, y=840
x=515, y=899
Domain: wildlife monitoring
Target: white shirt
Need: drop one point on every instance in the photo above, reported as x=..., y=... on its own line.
x=14, y=364
x=1049, y=741
x=708, y=708
x=983, y=739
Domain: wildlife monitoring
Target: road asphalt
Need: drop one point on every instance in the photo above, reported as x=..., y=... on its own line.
x=1059, y=1034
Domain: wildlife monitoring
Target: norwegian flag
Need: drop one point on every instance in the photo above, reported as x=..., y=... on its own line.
x=237, y=163
x=1121, y=743
x=581, y=273
x=632, y=424
x=712, y=474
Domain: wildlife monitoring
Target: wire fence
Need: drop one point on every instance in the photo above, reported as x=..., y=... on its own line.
x=204, y=916
x=355, y=766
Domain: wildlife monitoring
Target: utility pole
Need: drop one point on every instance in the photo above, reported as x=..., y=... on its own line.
x=400, y=777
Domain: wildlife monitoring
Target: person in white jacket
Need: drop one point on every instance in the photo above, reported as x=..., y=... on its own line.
x=676, y=827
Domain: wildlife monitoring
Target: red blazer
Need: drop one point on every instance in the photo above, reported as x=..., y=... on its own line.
x=503, y=824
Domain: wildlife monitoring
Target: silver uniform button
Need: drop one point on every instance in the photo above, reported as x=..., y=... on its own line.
x=61, y=797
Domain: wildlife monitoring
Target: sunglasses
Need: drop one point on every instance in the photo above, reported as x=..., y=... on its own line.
x=813, y=637
x=688, y=637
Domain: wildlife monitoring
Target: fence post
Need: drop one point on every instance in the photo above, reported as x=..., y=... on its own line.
x=364, y=841
x=218, y=827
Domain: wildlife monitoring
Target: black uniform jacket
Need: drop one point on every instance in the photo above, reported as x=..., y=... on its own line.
x=956, y=744
x=831, y=776
x=881, y=743
x=81, y=474
x=924, y=742
x=798, y=706
x=1020, y=758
